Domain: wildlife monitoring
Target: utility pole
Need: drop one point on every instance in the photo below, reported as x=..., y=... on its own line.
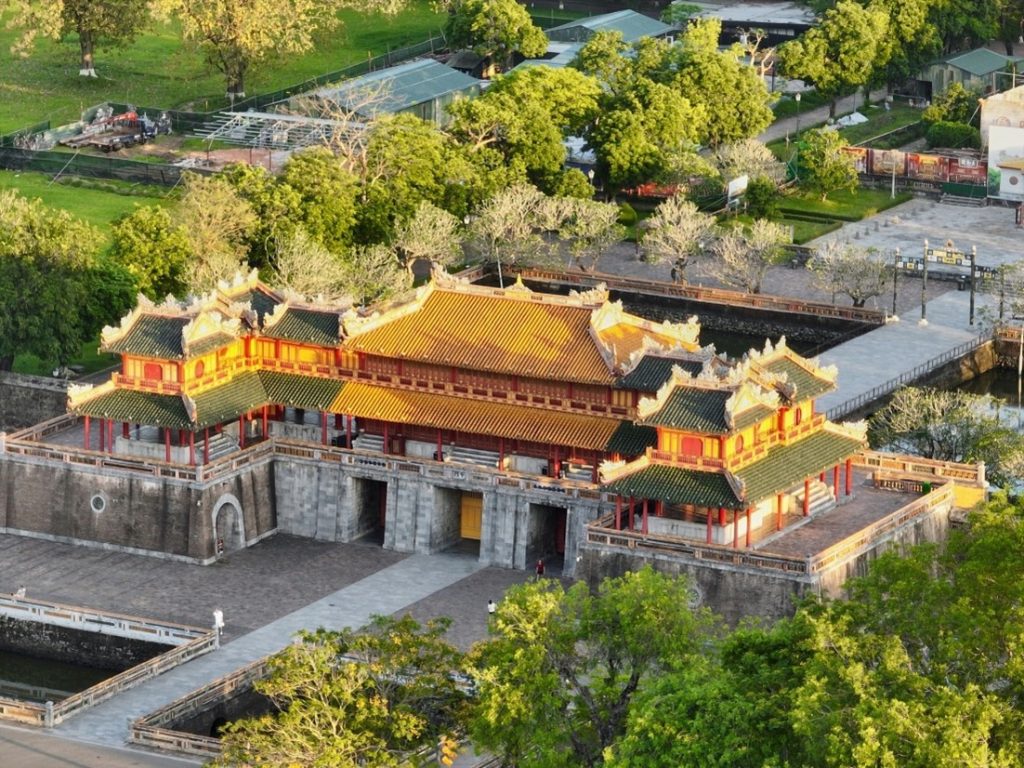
x=974, y=261
x=895, y=273
x=924, y=288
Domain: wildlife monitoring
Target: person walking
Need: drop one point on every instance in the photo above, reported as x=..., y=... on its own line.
x=491, y=607
x=540, y=569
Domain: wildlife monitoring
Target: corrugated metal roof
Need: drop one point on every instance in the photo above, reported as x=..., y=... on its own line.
x=981, y=61
x=479, y=417
x=807, y=384
x=787, y=465
x=493, y=333
x=137, y=407
x=308, y=325
x=677, y=485
x=403, y=86
x=631, y=24
x=155, y=336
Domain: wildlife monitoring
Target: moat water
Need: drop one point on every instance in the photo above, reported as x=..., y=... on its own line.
x=33, y=679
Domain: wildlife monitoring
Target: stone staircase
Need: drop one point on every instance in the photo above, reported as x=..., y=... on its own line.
x=366, y=442
x=974, y=202
x=220, y=445
x=471, y=456
x=821, y=499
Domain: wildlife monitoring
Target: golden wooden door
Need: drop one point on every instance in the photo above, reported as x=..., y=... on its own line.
x=471, y=513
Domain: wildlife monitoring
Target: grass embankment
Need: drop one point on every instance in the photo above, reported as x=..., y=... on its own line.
x=158, y=70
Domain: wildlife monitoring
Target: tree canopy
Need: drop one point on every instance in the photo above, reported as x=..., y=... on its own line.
x=497, y=28
x=822, y=166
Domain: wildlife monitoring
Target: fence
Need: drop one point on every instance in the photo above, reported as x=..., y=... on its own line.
x=189, y=642
x=91, y=166
x=710, y=295
x=851, y=405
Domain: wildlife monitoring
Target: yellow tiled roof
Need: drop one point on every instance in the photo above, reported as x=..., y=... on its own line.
x=513, y=422
x=544, y=340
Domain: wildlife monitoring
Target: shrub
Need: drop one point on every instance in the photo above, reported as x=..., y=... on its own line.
x=627, y=216
x=953, y=136
x=762, y=198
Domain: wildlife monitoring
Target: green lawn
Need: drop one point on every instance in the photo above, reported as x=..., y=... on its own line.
x=786, y=106
x=847, y=206
x=158, y=71
x=880, y=121
x=89, y=359
x=96, y=205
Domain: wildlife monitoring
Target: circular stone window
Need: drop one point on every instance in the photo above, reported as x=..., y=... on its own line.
x=694, y=597
x=98, y=503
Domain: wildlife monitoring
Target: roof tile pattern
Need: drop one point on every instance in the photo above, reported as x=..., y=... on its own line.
x=631, y=439
x=300, y=391
x=307, y=325
x=787, y=465
x=493, y=333
x=693, y=408
x=653, y=371
x=155, y=336
x=137, y=407
x=229, y=401
x=474, y=416
x=807, y=384
x=677, y=485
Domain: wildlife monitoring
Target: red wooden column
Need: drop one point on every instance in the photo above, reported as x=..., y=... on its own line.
x=501, y=453
x=631, y=508
x=778, y=512
x=807, y=496
x=643, y=523
x=748, y=527
x=206, y=445
x=822, y=477
x=735, y=529
x=348, y=430
x=835, y=481
x=192, y=448
x=849, y=476
x=124, y=430
x=167, y=445
x=110, y=435
x=241, y=431
x=88, y=436
x=709, y=525
x=323, y=427
x=593, y=472
x=386, y=446
x=337, y=421
x=721, y=516
x=618, y=512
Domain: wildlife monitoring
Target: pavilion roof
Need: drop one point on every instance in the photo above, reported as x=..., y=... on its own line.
x=508, y=421
x=677, y=485
x=134, y=406
x=632, y=439
x=654, y=370
x=304, y=324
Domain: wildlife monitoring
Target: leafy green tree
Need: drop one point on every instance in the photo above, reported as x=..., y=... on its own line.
x=278, y=208
x=557, y=676
x=527, y=115
x=733, y=96
x=237, y=37
x=351, y=699
x=841, y=53
x=953, y=136
x=912, y=40
x=46, y=256
x=96, y=23
x=327, y=196
x=823, y=166
x=154, y=250
x=373, y=273
x=950, y=426
x=497, y=28
x=955, y=105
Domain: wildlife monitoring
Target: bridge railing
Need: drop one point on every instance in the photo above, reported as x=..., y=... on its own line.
x=876, y=392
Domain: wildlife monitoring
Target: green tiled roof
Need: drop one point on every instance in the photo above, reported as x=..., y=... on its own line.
x=980, y=61
x=137, y=407
x=677, y=486
x=807, y=384
x=692, y=408
x=229, y=401
x=300, y=391
x=209, y=344
x=263, y=303
x=152, y=336
x=752, y=416
x=631, y=439
x=787, y=465
x=309, y=325
x=651, y=372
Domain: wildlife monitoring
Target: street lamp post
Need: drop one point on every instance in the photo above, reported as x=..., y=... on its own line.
x=924, y=287
x=895, y=273
x=796, y=153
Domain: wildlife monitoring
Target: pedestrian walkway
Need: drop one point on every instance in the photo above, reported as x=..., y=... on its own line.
x=385, y=592
x=876, y=363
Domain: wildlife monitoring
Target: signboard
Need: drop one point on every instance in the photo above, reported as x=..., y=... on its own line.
x=1006, y=162
x=738, y=186
x=883, y=161
x=927, y=167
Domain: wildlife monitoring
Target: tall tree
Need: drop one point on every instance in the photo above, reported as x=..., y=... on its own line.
x=556, y=678
x=96, y=23
x=912, y=39
x=350, y=699
x=218, y=223
x=154, y=250
x=840, y=54
x=590, y=228
x=327, y=196
x=303, y=265
x=278, y=208
x=506, y=229
x=374, y=273
x=46, y=256
x=238, y=36
x=497, y=28
x=430, y=234
x=748, y=157
x=734, y=97
x=823, y=167
x=676, y=233
x=741, y=258
x=860, y=273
